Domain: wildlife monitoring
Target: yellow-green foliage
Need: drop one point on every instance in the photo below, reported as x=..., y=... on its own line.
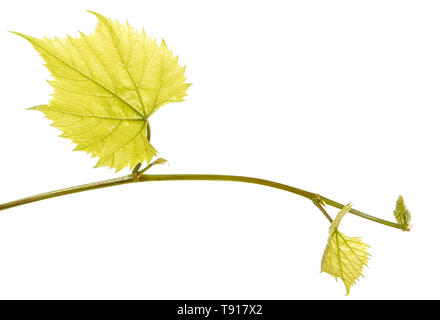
x=344, y=257
x=106, y=86
x=402, y=214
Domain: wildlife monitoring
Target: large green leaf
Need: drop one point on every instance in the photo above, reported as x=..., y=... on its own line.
x=107, y=85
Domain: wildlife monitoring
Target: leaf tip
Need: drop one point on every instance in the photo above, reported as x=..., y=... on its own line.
x=94, y=13
x=38, y=108
x=100, y=17
x=17, y=33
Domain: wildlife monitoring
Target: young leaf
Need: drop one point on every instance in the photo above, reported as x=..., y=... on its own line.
x=344, y=257
x=402, y=214
x=107, y=85
x=158, y=161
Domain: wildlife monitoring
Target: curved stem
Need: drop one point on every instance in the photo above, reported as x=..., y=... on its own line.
x=62, y=192
x=184, y=177
x=364, y=215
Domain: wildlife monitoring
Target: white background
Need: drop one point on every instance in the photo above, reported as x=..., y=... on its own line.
x=336, y=97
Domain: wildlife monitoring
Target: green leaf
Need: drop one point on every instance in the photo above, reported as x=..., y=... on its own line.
x=402, y=214
x=344, y=257
x=107, y=85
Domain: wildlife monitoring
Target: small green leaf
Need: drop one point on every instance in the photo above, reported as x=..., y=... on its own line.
x=159, y=161
x=402, y=214
x=344, y=257
x=155, y=162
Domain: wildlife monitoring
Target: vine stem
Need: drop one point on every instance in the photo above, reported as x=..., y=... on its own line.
x=314, y=197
